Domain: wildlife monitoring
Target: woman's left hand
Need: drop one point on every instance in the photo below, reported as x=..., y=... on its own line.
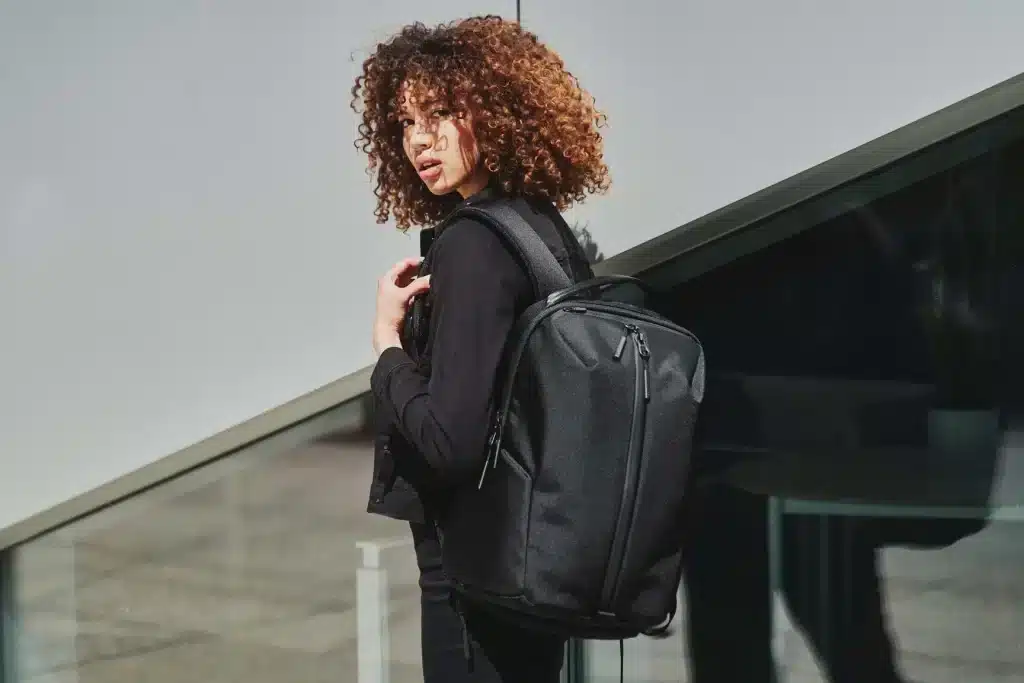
x=395, y=291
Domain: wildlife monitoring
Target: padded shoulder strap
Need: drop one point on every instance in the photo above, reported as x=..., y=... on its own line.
x=543, y=269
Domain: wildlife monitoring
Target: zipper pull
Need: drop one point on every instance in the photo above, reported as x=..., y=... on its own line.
x=621, y=347
x=645, y=357
x=647, y=382
x=493, y=444
x=496, y=445
x=487, y=461
x=626, y=334
x=491, y=463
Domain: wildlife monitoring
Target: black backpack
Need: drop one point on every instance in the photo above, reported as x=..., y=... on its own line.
x=576, y=523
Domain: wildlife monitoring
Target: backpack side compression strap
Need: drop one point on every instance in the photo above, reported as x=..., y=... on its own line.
x=542, y=267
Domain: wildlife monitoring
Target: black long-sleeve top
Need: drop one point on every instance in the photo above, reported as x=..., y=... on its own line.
x=434, y=403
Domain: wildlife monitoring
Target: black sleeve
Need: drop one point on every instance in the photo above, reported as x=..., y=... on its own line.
x=477, y=288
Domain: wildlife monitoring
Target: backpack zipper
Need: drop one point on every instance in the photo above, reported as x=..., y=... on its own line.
x=637, y=429
x=493, y=446
x=491, y=461
x=643, y=353
x=494, y=440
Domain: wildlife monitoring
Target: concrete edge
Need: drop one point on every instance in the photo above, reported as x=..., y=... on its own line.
x=206, y=451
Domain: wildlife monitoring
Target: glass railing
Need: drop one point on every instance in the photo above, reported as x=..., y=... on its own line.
x=877, y=601
x=263, y=566
x=862, y=517
x=864, y=433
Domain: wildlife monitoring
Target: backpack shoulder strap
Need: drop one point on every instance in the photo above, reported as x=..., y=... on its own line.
x=541, y=266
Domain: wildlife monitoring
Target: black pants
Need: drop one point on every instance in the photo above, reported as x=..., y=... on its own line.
x=502, y=653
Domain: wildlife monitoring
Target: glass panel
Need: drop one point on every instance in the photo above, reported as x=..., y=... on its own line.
x=867, y=375
x=6, y=649
x=263, y=566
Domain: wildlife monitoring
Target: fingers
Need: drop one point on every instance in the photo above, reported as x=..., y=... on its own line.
x=417, y=286
x=402, y=266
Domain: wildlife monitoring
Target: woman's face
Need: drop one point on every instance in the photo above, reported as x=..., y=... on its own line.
x=441, y=147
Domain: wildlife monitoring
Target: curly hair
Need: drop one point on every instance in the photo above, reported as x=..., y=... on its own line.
x=537, y=130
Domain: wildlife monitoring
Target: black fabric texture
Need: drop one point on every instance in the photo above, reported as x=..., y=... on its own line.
x=498, y=647
x=549, y=438
x=432, y=399
x=576, y=523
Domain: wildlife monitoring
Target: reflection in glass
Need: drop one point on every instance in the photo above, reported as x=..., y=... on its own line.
x=263, y=566
x=867, y=373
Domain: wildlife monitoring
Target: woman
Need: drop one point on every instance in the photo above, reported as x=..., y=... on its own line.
x=477, y=110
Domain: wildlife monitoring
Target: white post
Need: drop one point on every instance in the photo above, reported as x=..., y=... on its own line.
x=782, y=627
x=372, y=597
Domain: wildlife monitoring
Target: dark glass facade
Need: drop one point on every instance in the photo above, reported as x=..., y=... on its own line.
x=863, y=441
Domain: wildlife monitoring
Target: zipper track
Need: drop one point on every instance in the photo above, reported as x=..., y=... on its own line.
x=627, y=505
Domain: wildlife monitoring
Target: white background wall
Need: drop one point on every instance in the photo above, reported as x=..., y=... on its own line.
x=712, y=100
x=186, y=237
x=186, y=231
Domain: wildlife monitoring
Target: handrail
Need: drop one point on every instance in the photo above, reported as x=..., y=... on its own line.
x=646, y=258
